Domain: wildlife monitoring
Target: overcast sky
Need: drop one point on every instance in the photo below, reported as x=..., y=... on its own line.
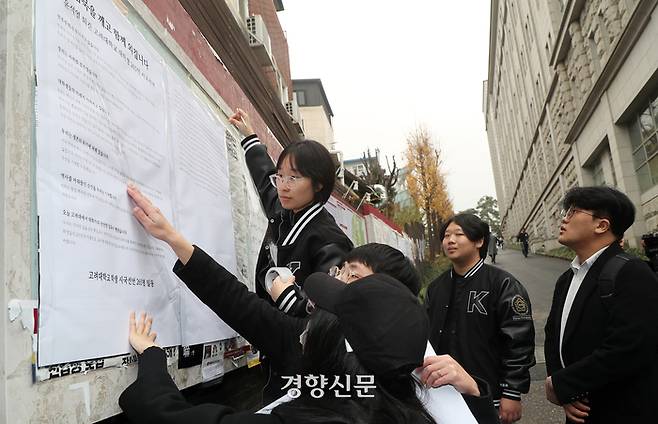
x=389, y=66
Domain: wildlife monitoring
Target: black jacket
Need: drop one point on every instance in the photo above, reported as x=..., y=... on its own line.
x=154, y=398
x=272, y=331
x=307, y=241
x=611, y=355
x=494, y=335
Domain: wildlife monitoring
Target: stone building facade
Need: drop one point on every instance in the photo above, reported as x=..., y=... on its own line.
x=572, y=99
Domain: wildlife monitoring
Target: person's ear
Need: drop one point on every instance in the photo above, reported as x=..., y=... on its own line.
x=479, y=243
x=602, y=226
x=318, y=187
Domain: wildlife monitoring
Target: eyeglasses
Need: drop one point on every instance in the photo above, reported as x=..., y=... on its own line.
x=289, y=180
x=567, y=214
x=343, y=273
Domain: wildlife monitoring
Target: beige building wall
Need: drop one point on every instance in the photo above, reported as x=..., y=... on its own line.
x=568, y=80
x=317, y=125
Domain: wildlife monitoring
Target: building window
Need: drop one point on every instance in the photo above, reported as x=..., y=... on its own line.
x=612, y=169
x=602, y=169
x=644, y=139
x=594, y=52
x=597, y=173
x=360, y=170
x=301, y=97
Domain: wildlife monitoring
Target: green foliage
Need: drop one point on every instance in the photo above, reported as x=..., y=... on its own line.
x=471, y=211
x=429, y=270
x=487, y=210
x=408, y=215
x=635, y=251
x=562, y=252
x=566, y=253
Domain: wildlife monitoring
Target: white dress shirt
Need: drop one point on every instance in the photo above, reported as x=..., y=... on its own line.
x=579, y=273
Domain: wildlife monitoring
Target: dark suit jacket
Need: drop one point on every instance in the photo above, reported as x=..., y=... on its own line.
x=611, y=355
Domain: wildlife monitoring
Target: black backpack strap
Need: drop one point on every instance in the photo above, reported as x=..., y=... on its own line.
x=608, y=277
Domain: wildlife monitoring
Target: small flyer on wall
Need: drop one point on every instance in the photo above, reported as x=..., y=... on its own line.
x=212, y=364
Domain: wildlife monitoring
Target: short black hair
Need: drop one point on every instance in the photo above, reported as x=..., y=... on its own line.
x=384, y=259
x=474, y=228
x=312, y=160
x=604, y=202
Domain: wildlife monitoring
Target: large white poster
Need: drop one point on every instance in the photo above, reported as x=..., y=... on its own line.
x=107, y=113
x=203, y=209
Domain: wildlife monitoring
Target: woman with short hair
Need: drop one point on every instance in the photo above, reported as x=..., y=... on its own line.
x=301, y=235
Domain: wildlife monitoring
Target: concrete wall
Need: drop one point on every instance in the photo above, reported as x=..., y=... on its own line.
x=92, y=396
x=17, y=182
x=607, y=126
x=546, y=129
x=316, y=125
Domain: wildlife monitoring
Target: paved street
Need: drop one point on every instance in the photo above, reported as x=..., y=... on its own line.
x=538, y=275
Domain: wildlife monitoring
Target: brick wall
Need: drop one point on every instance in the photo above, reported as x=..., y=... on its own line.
x=178, y=23
x=266, y=9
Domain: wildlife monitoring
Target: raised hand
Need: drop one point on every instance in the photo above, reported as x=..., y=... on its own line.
x=241, y=121
x=141, y=337
x=155, y=223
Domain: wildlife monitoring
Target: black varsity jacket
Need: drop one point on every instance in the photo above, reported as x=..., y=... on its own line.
x=492, y=335
x=270, y=330
x=306, y=242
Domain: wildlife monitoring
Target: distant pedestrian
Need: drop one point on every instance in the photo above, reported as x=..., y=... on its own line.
x=524, y=239
x=493, y=247
x=481, y=316
x=602, y=332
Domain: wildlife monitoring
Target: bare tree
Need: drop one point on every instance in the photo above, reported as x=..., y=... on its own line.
x=375, y=174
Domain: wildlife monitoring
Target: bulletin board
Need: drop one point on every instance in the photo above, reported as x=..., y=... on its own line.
x=111, y=99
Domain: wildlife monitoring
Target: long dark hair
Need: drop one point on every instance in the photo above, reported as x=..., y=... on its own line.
x=394, y=400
